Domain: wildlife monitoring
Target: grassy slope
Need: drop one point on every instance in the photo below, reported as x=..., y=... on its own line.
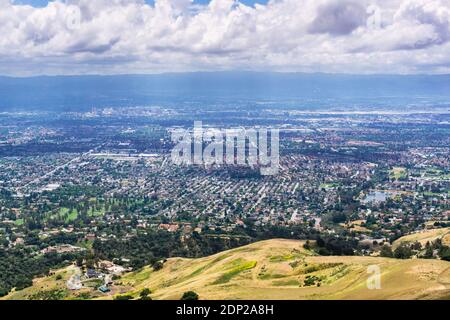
x=424, y=237
x=44, y=284
x=276, y=269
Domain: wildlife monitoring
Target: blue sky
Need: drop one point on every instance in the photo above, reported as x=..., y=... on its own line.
x=43, y=3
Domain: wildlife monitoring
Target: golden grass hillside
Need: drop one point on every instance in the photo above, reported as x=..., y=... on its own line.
x=278, y=269
x=425, y=236
x=274, y=269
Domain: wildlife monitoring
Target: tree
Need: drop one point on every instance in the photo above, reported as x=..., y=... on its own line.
x=158, y=265
x=190, y=295
x=444, y=253
x=428, y=251
x=338, y=217
x=307, y=245
x=320, y=242
x=90, y=263
x=79, y=262
x=145, y=294
x=125, y=297
x=386, y=251
x=416, y=246
x=3, y=292
x=403, y=252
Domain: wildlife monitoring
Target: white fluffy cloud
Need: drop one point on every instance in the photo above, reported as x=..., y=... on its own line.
x=130, y=36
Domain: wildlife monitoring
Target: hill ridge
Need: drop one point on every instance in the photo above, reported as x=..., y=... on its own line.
x=276, y=269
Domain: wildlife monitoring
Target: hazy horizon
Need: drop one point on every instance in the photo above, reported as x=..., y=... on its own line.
x=225, y=89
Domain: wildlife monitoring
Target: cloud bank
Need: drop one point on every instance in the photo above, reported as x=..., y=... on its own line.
x=131, y=36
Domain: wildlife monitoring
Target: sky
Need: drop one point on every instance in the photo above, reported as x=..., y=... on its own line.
x=138, y=36
x=43, y=3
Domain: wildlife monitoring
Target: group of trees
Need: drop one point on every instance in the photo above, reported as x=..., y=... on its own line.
x=438, y=247
x=156, y=245
x=190, y=295
x=145, y=295
x=18, y=267
x=334, y=246
x=431, y=250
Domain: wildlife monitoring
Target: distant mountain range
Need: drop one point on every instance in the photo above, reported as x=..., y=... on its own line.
x=287, y=90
